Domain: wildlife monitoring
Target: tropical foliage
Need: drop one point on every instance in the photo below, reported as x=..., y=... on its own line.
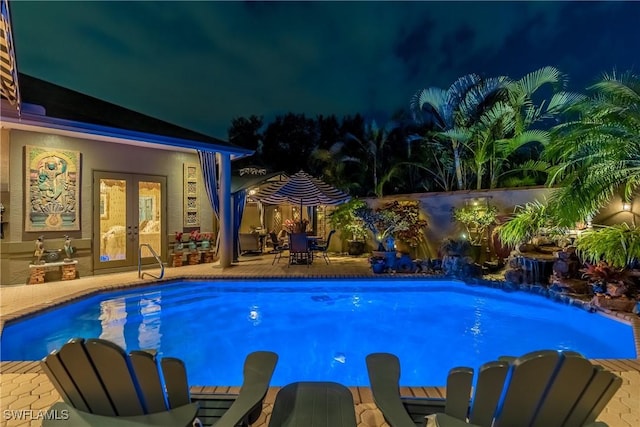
x=476, y=219
x=400, y=219
x=598, y=154
x=343, y=218
x=618, y=245
x=529, y=220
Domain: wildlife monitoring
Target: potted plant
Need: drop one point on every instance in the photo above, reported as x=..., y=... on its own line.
x=378, y=264
x=296, y=226
x=179, y=246
x=412, y=235
x=194, y=236
x=477, y=220
x=205, y=245
x=351, y=227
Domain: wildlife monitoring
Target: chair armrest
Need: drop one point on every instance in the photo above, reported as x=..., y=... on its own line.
x=444, y=420
x=258, y=370
x=65, y=415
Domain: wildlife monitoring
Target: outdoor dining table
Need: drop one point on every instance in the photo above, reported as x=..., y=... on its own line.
x=313, y=404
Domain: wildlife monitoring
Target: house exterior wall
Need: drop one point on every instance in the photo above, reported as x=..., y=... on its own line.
x=16, y=249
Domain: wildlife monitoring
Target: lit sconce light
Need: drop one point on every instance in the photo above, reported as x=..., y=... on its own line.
x=464, y=236
x=252, y=191
x=626, y=206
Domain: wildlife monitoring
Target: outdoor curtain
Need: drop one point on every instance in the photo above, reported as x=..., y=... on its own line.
x=210, y=172
x=261, y=213
x=239, y=201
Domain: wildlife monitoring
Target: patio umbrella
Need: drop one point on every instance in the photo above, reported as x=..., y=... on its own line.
x=301, y=188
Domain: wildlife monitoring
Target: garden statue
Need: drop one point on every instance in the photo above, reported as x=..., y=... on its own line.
x=68, y=249
x=39, y=252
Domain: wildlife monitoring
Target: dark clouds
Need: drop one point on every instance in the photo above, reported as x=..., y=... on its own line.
x=199, y=64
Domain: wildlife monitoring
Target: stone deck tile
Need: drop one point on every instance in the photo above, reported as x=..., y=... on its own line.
x=34, y=391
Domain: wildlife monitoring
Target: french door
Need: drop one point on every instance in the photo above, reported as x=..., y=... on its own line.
x=129, y=210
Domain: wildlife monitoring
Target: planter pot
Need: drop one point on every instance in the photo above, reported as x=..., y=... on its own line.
x=355, y=247
x=378, y=267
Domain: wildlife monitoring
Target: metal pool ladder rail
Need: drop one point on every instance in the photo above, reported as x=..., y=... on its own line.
x=155, y=255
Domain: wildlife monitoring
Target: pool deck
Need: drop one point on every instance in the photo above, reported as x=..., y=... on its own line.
x=23, y=386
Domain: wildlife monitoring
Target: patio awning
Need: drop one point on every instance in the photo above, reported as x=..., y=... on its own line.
x=302, y=189
x=8, y=70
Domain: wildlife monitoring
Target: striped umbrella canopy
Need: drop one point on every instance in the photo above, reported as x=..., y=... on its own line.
x=303, y=189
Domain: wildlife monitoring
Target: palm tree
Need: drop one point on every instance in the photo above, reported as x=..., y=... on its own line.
x=507, y=126
x=455, y=110
x=598, y=154
x=372, y=147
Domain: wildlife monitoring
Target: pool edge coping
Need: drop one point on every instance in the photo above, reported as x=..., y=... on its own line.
x=535, y=289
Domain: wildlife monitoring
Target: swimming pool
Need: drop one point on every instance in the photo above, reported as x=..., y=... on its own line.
x=322, y=329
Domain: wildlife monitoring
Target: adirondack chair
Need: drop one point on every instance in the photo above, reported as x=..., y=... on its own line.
x=103, y=386
x=540, y=389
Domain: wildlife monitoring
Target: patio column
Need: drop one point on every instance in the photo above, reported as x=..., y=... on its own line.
x=226, y=221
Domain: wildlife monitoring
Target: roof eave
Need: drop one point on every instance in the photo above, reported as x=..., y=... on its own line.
x=38, y=123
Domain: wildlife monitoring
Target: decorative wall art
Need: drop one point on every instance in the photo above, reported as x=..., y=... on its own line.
x=191, y=191
x=53, y=189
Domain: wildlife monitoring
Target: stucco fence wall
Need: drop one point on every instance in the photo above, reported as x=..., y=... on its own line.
x=437, y=208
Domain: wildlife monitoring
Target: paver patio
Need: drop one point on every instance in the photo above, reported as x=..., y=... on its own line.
x=24, y=386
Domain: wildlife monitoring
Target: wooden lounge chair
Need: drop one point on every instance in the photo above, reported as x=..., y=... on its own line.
x=103, y=386
x=540, y=389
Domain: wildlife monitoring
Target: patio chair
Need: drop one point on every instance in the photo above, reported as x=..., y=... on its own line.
x=543, y=388
x=103, y=386
x=299, y=251
x=277, y=247
x=324, y=247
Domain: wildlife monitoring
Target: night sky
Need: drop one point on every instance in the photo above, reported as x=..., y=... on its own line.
x=200, y=64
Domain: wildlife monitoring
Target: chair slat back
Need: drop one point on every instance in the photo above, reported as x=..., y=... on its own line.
x=384, y=376
x=58, y=375
x=570, y=382
x=298, y=242
x=530, y=376
x=75, y=359
x=458, y=392
x=331, y=233
x=146, y=371
x=175, y=381
x=599, y=391
x=110, y=364
x=489, y=386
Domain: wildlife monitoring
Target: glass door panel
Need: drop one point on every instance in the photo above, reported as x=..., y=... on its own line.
x=150, y=216
x=113, y=220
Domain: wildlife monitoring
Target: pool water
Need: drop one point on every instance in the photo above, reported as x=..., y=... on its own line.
x=322, y=330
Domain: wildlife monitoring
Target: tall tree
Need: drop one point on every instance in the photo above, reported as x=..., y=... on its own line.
x=289, y=141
